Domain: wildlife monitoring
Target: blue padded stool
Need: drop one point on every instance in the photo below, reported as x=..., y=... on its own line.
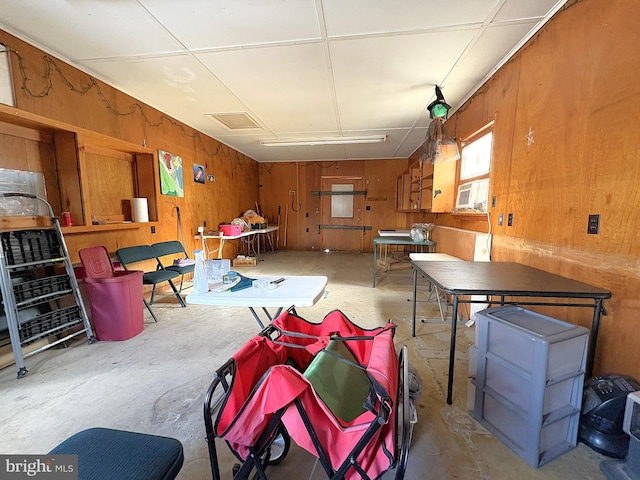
x=106, y=454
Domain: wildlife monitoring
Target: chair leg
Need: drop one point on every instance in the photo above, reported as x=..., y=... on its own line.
x=178, y=296
x=150, y=311
x=189, y=284
x=153, y=294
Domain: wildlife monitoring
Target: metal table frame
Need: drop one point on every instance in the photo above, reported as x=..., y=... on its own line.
x=387, y=240
x=250, y=236
x=506, y=279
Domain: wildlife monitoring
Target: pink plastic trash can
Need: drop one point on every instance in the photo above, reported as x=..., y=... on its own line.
x=115, y=297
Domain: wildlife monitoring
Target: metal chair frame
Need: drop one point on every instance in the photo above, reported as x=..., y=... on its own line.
x=144, y=254
x=175, y=249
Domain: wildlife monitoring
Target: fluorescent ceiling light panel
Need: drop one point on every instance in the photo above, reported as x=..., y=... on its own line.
x=324, y=141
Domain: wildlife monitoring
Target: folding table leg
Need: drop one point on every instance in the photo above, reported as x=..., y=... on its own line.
x=266, y=312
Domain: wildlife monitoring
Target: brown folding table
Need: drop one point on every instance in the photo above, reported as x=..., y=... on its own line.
x=507, y=279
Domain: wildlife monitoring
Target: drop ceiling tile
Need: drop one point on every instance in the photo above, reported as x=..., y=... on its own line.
x=523, y=9
x=286, y=87
x=373, y=73
x=176, y=84
x=413, y=139
x=91, y=29
x=206, y=24
x=358, y=17
x=388, y=82
x=480, y=61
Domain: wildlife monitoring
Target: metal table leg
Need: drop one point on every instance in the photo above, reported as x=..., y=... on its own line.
x=452, y=349
x=415, y=291
x=267, y=314
x=375, y=264
x=593, y=338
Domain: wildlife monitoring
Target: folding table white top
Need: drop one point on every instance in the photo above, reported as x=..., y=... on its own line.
x=299, y=291
x=433, y=257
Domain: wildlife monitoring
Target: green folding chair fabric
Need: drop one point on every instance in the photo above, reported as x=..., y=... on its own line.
x=342, y=386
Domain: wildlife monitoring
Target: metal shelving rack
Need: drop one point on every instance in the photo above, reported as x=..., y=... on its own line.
x=41, y=300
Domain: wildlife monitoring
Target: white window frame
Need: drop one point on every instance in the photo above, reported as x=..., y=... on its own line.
x=476, y=153
x=6, y=82
x=342, y=205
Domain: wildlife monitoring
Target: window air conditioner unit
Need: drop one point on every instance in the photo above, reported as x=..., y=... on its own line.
x=473, y=196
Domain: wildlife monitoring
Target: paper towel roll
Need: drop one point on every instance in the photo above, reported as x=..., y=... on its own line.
x=139, y=210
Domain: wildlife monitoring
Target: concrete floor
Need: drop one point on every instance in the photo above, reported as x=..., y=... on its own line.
x=156, y=381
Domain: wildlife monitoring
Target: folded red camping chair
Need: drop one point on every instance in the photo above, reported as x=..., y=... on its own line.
x=333, y=385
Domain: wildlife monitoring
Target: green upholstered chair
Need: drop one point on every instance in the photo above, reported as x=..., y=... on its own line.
x=108, y=454
x=143, y=257
x=171, y=250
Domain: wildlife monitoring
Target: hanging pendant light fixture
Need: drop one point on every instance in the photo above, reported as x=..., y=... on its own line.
x=438, y=108
x=439, y=146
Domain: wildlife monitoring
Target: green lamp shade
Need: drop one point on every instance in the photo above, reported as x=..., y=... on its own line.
x=439, y=110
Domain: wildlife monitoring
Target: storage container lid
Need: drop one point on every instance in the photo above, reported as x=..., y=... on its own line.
x=533, y=322
x=96, y=262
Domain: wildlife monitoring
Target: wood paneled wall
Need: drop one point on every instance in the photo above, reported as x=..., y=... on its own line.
x=300, y=211
x=47, y=86
x=566, y=145
x=573, y=91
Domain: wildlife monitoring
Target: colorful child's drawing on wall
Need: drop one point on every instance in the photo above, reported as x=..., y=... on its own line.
x=170, y=174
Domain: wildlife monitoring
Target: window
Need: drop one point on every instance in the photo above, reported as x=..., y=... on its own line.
x=475, y=167
x=476, y=154
x=6, y=84
x=342, y=205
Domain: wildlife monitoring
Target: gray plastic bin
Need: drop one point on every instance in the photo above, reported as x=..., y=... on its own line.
x=529, y=379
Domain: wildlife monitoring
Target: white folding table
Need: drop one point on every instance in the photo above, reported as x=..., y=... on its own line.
x=250, y=236
x=296, y=291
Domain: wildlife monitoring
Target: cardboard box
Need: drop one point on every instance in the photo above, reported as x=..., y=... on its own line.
x=245, y=262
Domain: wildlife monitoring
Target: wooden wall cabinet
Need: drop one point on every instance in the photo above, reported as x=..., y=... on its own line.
x=444, y=186
x=95, y=176
x=427, y=187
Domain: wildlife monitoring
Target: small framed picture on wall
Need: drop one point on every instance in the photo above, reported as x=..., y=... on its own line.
x=198, y=173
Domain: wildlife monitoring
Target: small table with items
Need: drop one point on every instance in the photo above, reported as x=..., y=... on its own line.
x=298, y=291
x=251, y=236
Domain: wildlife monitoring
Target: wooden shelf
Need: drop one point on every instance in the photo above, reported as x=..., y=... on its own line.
x=88, y=174
x=102, y=228
x=469, y=214
x=427, y=187
x=21, y=118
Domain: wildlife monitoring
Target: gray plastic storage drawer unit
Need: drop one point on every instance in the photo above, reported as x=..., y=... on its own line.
x=530, y=373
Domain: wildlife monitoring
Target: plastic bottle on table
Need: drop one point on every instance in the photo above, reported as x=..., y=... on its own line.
x=200, y=282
